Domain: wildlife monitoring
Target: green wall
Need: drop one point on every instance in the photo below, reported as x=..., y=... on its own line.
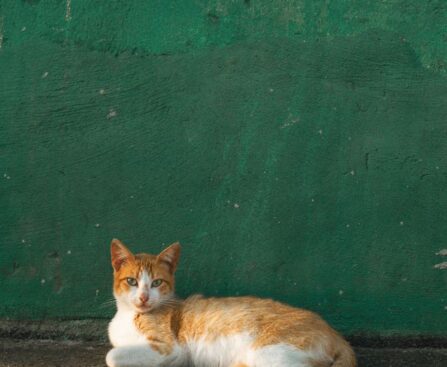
x=297, y=149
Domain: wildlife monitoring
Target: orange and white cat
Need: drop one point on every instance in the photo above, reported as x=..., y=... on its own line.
x=151, y=328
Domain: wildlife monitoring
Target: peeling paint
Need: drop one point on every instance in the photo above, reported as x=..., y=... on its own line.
x=441, y=266
x=68, y=10
x=1, y=32
x=112, y=113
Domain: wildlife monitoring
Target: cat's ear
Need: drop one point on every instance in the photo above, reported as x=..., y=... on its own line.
x=170, y=256
x=120, y=254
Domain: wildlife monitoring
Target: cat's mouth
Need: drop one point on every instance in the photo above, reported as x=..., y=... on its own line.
x=143, y=308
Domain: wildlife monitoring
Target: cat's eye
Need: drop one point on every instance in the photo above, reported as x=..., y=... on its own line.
x=132, y=282
x=156, y=283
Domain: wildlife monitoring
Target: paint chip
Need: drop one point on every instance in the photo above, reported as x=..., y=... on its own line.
x=69, y=252
x=97, y=225
x=44, y=75
x=442, y=252
x=236, y=205
x=102, y=91
x=352, y=173
x=23, y=29
x=441, y=266
x=290, y=121
x=112, y=113
x=42, y=281
x=68, y=10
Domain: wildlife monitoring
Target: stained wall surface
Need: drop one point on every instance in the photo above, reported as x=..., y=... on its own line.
x=297, y=149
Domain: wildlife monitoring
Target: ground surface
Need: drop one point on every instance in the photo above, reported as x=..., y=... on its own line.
x=19, y=353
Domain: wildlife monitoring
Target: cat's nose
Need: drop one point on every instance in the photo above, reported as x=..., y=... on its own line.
x=144, y=298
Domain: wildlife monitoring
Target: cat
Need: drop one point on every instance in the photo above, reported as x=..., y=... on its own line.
x=152, y=328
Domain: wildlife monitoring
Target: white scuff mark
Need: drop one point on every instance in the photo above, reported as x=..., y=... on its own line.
x=437, y=167
x=349, y=138
x=68, y=10
x=312, y=200
x=97, y=292
x=131, y=196
x=23, y=29
x=236, y=205
x=340, y=292
x=442, y=252
x=42, y=281
x=102, y=91
x=271, y=90
x=347, y=225
x=1, y=32
x=352, y=173
x=290, y=122
x=8, y=177
x=23, y=241
x=44, y=75
x=441, y=266
x=320, y=132
x=401, y=223
x=445, y=307
x=69, y=252
x=404, y=279
x=97, y=225
x=112, y=113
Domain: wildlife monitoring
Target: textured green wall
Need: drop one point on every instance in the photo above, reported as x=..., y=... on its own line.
x=297, y=149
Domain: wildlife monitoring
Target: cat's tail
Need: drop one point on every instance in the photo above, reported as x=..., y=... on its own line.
x=345, y=357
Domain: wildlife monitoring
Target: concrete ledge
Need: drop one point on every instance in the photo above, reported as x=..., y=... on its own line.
x=76, y=330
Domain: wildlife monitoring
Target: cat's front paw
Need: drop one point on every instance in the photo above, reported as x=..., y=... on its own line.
x=111, y=358
x=118, y=357
x=132, y=356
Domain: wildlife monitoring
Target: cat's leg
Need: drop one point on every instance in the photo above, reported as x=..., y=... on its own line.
x=133, y=356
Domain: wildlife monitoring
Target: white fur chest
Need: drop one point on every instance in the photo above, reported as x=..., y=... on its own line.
x=123, y=332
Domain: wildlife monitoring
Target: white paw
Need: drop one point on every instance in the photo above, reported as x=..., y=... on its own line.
x=132, y=356
x=112, y=358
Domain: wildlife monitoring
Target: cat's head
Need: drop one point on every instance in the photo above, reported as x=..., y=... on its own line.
x=143, y=282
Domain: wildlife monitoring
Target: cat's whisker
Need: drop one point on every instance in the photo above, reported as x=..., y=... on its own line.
x=108, y=303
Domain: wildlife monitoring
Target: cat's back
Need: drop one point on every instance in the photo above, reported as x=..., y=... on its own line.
x=235, y=324
x=230, y=314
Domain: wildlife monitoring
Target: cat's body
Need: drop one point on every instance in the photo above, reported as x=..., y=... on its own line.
x=209, y=332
